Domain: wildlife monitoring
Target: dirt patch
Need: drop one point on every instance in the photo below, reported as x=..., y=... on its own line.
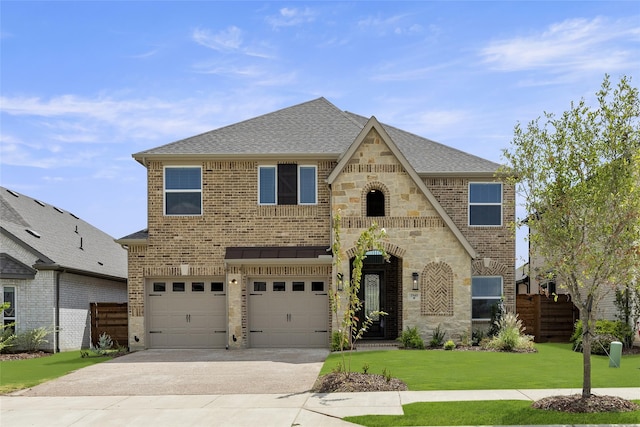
x=339, y=382
x=576, y=403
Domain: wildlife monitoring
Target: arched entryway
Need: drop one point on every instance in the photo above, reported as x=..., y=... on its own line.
x=381, y=290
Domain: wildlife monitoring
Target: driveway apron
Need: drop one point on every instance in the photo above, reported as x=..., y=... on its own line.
x=192, y=372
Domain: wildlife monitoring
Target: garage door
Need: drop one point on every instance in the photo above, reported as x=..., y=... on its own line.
x=186, y=314
x=288, y=313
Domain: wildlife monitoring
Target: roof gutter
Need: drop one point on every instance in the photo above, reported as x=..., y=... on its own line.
x=60, y=268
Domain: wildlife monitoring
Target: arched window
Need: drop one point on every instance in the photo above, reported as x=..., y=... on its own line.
x=375, y=203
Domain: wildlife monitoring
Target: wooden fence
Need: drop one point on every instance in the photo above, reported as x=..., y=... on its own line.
x=546, y=319
x=111, y=318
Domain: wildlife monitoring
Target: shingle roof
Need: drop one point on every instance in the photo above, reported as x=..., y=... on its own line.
x=11, y=268
x=58, y=237
x=317, y=127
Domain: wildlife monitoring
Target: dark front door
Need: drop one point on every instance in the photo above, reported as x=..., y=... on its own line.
x=372, y=291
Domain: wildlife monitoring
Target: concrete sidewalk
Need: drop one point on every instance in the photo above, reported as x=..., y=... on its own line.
x=296, y=409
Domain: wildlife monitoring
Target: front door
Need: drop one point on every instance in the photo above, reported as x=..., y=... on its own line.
x=372, y=295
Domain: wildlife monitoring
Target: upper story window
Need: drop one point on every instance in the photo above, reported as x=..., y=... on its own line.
x=485, y=203
x=375, y=203
x=183, y=190
x=287, y=184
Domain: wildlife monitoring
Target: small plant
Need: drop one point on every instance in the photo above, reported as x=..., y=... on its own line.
x=365, y=368
x=510, y=336
x=410, y=338
x=465, y=340
x=7, y=335
x=338, y=368
x=104, y=344
x=437, y=338
x=32, y=340
x=477, y=337
x=449, y=345
x=386, y=374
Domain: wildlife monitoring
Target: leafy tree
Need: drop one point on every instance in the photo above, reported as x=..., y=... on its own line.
x=579, y=179
x=351, y=328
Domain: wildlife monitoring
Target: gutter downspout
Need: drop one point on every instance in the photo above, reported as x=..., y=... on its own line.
x=57, y=313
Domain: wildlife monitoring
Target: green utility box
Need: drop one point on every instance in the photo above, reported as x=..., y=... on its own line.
x=615, y=354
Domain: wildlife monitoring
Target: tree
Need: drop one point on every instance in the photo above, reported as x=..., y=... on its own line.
x=578, y=176
x=351, y=328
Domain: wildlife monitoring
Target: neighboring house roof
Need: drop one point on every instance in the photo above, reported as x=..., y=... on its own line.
x=522, y=273
x=59, y=239
x=11, y=268
x=319, y=129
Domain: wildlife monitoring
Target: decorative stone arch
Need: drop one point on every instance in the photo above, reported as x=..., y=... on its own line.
x=374, y=185
x=389, y=248
x=488, y=267
x=437, y=290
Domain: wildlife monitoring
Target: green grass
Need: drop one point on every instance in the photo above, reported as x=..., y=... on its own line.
x=19, y=374
x=553, y=366
x=503, y=412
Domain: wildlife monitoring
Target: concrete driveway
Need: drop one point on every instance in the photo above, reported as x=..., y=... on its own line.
x=191, y=372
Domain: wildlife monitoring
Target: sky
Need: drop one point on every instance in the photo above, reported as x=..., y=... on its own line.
x=84, y=85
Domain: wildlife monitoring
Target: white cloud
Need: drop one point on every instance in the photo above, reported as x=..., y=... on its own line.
x=570, y=45
x=289, y=17
x=389, y=25
x=223, y=41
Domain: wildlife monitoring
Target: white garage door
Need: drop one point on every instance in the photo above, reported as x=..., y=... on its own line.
x=186, y=314
x=288, y=313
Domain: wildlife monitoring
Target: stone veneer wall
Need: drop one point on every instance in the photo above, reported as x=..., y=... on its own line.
x=416, y=233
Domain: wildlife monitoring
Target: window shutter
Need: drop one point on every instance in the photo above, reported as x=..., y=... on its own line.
x=288, y=184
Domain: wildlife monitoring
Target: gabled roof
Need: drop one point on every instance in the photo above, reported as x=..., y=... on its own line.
x=346, y=158
x=11, y=268
x=59, y=239
x=316, y=129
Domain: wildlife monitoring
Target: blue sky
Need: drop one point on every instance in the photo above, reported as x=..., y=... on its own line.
x=83, y=85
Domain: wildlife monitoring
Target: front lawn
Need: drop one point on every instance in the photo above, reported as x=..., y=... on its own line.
x=499, y=412
x=553, y=366
x=19, y=374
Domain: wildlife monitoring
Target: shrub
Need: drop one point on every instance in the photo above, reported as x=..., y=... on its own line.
x=477, y=337
x=33, y=340
x=606, y=331
x=336, y=337
x=437, y=338
x=104, y=343
x=7, y=338
x=510, y=335
x=449, y=345
x=365, y=368
x=411, y=338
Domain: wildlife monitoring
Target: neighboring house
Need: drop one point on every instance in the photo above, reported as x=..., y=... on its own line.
x=237, y=251
x=53, y=265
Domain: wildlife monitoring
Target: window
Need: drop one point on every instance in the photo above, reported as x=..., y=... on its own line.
x=159, y=287
x=197, y=287
x=217, y=287
x=297, y=286
x=485, y=203
x=178, y=287
x=9, y=314
x=278, y=287
x=317, y=286
x=375, y=203
x=259, y=286
x=287, y=184
x=486, y=292
x=183, y=191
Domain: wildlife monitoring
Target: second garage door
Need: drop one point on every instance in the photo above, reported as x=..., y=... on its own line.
x=288, y=313
x=186, y=314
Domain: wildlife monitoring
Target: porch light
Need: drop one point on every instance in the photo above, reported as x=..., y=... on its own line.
x=233, y=281
x=415, y=281
x=340, y=281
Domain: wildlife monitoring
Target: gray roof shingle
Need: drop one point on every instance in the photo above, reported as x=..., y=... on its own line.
x=317, y=127
x=60, y=238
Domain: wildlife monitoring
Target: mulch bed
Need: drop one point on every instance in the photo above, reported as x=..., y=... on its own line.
x=339, y=382
x=576, y=403
x=23, y=356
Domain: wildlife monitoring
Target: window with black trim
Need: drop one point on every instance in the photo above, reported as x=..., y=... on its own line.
x=260, y=286
x=178, y=287
x=485, y=203
x=9, y=313
x=287, y=184
x=217, y=286
x=159, y=287
x=279, y=287
x=317, y=286
x=297, y=286
x=197, y=287
x=182, y=190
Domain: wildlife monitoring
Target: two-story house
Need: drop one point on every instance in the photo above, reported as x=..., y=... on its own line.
x=237, y=249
